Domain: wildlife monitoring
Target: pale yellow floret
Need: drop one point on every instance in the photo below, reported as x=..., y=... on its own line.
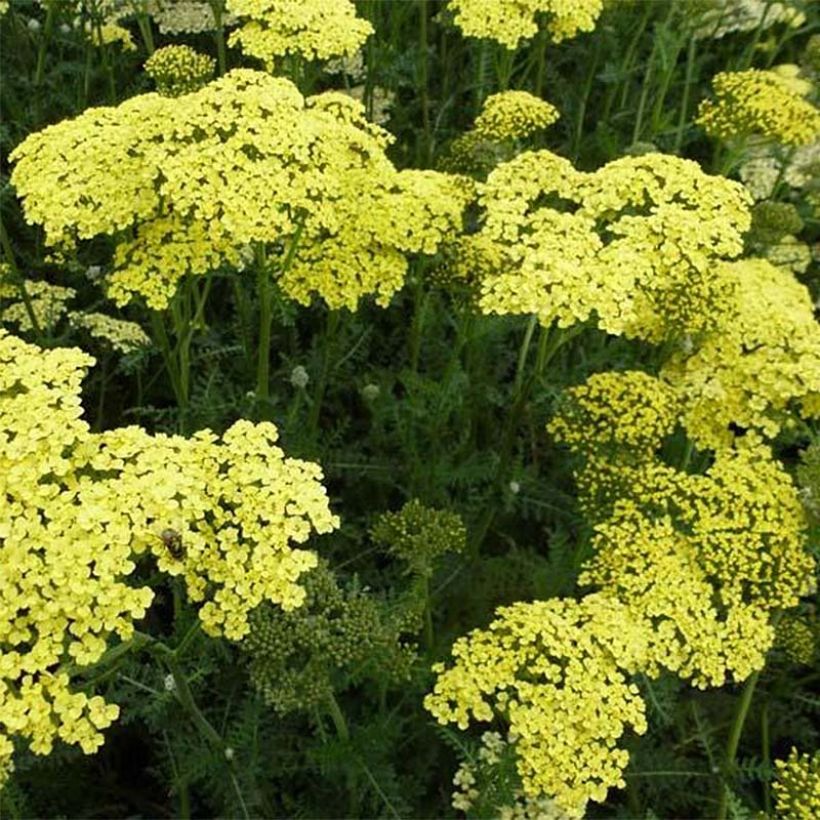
x=179, y=69
x=121, y=335
x=558, y=672
x=314, y=29
x=761, y=358
x=187, y=185
x=514, y=115
x=631, y=246
x=758, y=103
x=226, y=513
x=511, y=21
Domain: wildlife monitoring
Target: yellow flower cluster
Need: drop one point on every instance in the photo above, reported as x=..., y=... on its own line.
x=47, y=302
x=120, y=334
x=511, y=21
x=558, y=672
x=761, y=103
x=186, y=16
x=179, y=70
x=314, y=29
x=797, y=786
x=223, y=513
x=186, y=185
x=687, y=571
x=63, y=563
x=514, y=115
x=633, y=244
x=761, y=358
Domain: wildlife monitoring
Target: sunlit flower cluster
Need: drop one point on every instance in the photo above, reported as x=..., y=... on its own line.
x=511, y=21
x=179, y=70
x=314, y=29
x=558, y=671
x=758, y=103
x=186, y=185
x=225, y=512
x=632, y=245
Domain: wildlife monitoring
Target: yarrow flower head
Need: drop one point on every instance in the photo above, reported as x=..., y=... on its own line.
x=797, y=786
x=187, y=185
x=558, y=672
x=511, y=21
x=186, y=16
x=226, y=513
x=179, y=70
x=514, y=115
x=631, y=246
x=758, y=103
x=314, y=29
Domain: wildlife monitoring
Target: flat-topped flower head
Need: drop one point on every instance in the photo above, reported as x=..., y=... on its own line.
x=758, y=103
x=631, y=246
x=229, y=514
x=509, y=22
x=185, y=185
x=514, y=115
x=314, y=29
x=558, y=672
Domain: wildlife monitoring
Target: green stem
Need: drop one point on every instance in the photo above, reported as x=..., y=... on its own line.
x=338, y=718
x=523, y=352
x=144, y=23
x=766, y=754
x=44, y=44
x=333, y=321
x=423, y=8
x=219, y=35
x=420, y=298
x=741, y=713
x=684, y=105
x=8, y=252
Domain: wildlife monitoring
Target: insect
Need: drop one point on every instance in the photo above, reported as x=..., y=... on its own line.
x=173, y=543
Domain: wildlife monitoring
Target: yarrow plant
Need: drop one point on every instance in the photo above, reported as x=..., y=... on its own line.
x=225, y=513
x=511, y=21
x=755, y=102
x=313, y=29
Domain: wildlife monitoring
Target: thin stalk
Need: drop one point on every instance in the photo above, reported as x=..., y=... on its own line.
x=8, y=252
x=333, y=321
x=766, y=755
x=540, y=61
x=144, y=23
x=423, y=71
x=582, y=108
x=338, y=718
x=266, y=299
x=219, y=36
x=684, y=105
x=733, y=742
x=44, y=43
x=420, y=299
x=523, y=352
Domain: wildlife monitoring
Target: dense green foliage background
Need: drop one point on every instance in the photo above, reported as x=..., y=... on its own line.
x=414, y=401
